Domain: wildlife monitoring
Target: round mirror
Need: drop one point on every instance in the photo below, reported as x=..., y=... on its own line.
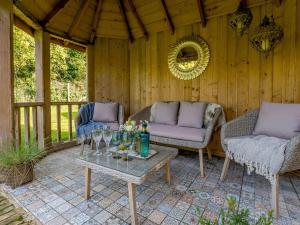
x=188, y=58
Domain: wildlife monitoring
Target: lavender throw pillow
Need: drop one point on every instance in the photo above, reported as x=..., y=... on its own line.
x=164, y=113
x=191, y=114
x=106, y=112
x=278, y=120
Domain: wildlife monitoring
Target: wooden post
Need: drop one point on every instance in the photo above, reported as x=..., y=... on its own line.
x=132, y=203
x=42, y=71
x=168, y=173
x=87, y=183
x=90, y=62
x=6, y=70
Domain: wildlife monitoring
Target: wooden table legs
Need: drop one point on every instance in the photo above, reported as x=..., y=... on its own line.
x=87, y=183
x=168, y=173
x=132, y=203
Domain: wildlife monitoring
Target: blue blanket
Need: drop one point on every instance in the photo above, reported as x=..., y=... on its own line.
x=86, y=124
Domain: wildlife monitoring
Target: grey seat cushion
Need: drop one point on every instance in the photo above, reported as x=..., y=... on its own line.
x=164, y=113
x=278, y=120
x=191, y=114
x=106, y=112
x=176, y=132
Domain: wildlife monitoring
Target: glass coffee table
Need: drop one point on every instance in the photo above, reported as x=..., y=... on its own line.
x=134, y=172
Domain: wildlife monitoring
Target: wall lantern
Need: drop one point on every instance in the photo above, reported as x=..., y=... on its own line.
x=241, y=19
x=266, y=36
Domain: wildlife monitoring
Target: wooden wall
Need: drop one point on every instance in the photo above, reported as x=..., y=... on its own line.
x=112, y=71
x=237, y=76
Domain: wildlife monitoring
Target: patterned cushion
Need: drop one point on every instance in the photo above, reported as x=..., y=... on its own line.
x=191, y=114
x=164, y=113
x=210, y=113
x=183, y=133
x=278, y=120
x=106, y=112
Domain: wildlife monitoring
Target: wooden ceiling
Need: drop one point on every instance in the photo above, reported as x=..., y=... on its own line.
x=84, y=20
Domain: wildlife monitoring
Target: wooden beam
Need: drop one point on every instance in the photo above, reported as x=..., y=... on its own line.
x=6, y=71
x=43, y=93
x=90, y=62
x=201, y=12
x=168, y=17
x=123, y=12
x=59, y=6
x=23, y=26
x=78, y=17
x=138, y=18
x=277, y=2
x=96, y=20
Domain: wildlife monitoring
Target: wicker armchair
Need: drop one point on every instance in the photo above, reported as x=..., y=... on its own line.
x=243, y=126
x=144, y=114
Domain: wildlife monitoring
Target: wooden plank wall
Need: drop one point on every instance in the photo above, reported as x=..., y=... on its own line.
x=237, y=77
x=112, y=71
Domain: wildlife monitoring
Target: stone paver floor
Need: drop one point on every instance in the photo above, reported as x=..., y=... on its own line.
x=56, y=195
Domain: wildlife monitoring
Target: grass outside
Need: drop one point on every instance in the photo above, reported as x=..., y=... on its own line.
x=64, y=124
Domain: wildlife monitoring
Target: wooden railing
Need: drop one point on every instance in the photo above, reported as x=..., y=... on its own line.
x=26, y=125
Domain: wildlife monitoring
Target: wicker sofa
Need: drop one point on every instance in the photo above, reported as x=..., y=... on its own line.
x=244, y=126
x=183, y=141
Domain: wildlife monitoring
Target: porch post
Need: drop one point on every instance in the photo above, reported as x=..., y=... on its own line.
x=43, y=93
x=6, y=70
x=90, y=62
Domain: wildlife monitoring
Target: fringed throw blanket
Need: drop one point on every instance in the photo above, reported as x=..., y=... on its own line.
x=261, y=153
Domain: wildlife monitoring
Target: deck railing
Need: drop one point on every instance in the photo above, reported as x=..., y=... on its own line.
x=62, y=122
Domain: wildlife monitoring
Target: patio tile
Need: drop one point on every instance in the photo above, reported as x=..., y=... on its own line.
x=79, y=219
x=157, y=216
x=57, y=221
x=170, y=221
x=102, y=217
x=57, y=198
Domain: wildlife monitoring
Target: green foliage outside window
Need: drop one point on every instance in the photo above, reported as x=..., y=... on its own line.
x=67, y=68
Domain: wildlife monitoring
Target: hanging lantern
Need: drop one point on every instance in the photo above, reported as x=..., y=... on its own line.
x=241, y=19
x=266, y=36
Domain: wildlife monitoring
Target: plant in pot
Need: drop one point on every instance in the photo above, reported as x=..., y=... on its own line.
x=17, y=162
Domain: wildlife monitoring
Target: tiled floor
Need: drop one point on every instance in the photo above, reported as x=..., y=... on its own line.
x=56, y=195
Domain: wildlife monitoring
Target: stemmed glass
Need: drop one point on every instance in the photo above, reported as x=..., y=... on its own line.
x=97, y=136
x=107, y=136
x=81, y=140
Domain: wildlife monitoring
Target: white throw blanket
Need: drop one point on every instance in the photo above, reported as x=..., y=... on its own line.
x=263, y=153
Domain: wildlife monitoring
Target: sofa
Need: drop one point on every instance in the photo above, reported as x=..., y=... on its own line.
x=187, y=125
x=98, y=114
x=265, y=140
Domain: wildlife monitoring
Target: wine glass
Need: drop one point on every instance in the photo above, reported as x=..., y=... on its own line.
x=107, y=136
x=116, y=138
x=97, y=136
x=81, y=140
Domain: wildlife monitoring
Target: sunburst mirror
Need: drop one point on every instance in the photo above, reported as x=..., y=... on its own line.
x=188, y=57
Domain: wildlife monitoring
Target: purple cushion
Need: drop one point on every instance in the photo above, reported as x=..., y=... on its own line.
x=105, y=112
x=164, y=113
x=278, y=120
x=182, y=133
x=191, y=114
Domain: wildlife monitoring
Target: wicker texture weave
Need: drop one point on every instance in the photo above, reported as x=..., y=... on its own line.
x=244, y=125
x=144, y=114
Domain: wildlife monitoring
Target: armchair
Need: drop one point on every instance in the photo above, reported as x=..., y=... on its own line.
x=244, y=126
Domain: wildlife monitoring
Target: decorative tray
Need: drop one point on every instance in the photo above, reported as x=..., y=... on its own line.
x=134, y=154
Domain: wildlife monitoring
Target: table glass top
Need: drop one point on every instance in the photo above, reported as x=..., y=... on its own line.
x=135, y=167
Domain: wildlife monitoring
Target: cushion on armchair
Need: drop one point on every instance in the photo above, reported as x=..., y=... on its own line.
x=106, y=112
x=278, y=120
x=176, y=132
x=164, y=113
x=191, y=114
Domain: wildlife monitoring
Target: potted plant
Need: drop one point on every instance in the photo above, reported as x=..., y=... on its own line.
x=17, y=162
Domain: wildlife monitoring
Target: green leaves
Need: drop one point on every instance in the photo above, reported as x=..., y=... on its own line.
x=233, y=216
